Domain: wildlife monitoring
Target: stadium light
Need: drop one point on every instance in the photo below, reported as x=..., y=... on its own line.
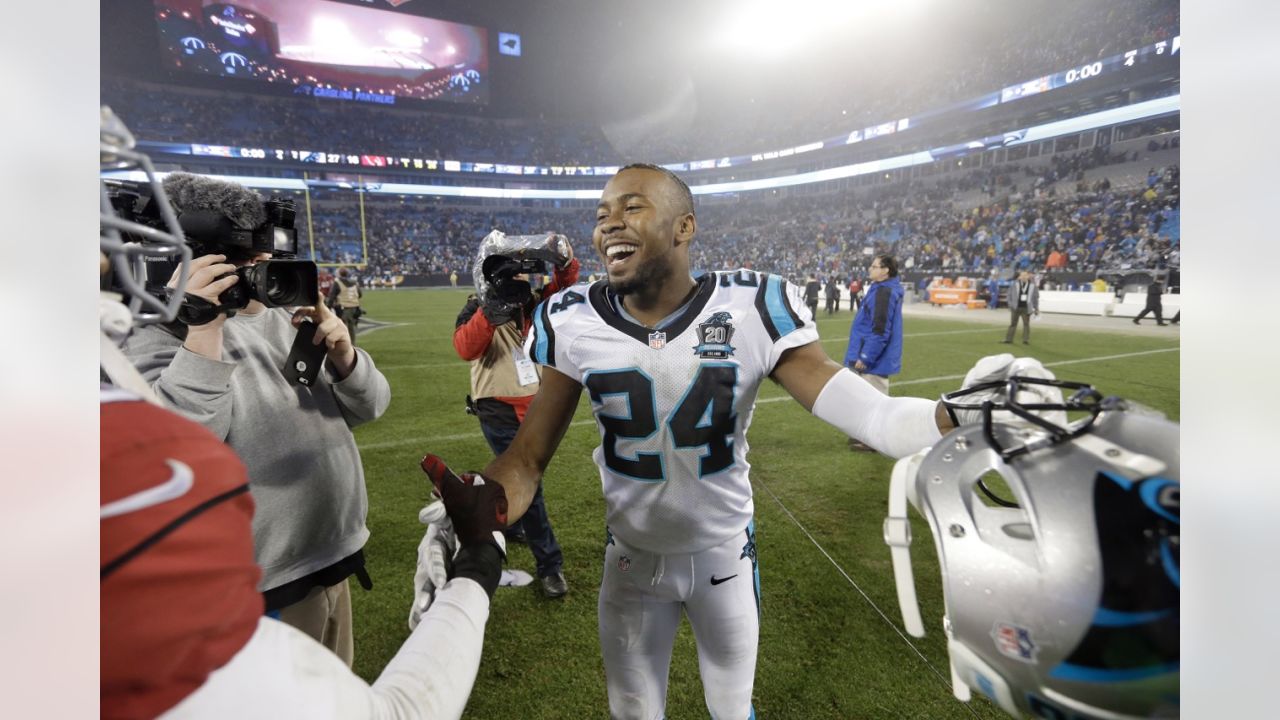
x=768, y=30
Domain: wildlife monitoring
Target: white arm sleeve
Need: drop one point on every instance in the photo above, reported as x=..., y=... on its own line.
x=282, y=673
x=897, y=427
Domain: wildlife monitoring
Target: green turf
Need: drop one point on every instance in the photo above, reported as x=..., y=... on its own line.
x=826, y=651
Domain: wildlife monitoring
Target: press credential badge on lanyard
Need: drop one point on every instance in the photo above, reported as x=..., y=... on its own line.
x=526, y=374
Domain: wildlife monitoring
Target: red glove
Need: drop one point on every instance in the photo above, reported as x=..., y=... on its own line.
x=477, y=507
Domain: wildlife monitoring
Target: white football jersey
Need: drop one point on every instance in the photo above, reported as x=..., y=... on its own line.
x=673, y=405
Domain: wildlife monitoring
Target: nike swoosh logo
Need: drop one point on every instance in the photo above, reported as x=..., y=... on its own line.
x=180, y=481
x=717, y=581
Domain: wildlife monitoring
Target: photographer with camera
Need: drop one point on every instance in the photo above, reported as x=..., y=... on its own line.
x=287, y=412
x=490, y=333
x=344, y=297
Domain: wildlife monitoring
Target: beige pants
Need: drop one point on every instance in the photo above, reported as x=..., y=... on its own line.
x=350, y=318
x=325, y=614
x=1014, y=315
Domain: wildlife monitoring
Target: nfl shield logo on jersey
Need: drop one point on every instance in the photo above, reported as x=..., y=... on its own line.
x=624, y=563
x=714, y=336
x=657, y=340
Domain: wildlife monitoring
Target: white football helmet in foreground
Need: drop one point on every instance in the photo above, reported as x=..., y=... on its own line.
x=1061, y=601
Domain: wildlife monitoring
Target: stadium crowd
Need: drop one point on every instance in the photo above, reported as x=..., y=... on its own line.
x=408, y=238
x=1044, y=217
x=1093, y=229
x=971, y=64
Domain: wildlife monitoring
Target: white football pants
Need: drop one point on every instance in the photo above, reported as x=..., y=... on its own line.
x=641, y=597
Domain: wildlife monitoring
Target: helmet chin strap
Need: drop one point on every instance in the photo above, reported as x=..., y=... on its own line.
x=897, y=535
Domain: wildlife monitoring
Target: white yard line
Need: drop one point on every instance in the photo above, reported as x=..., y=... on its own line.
x=920, y=334
x=379, y=325
x=455, y=363
x=427, y=440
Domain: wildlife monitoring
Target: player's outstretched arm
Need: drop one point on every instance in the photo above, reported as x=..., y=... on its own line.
x=894, y=426
x=520, y=468
x=804, y=371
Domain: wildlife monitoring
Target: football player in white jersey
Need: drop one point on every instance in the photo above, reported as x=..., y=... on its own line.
x=672, y=366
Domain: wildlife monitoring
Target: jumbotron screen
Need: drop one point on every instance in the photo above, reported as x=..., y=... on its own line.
x=327, y=48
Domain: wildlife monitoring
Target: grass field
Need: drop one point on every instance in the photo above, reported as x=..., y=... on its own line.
x=831, y=644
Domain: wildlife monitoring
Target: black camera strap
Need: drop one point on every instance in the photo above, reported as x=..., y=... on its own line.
x=195, y=310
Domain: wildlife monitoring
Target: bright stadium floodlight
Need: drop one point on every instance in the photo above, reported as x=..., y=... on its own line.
x=768, y=30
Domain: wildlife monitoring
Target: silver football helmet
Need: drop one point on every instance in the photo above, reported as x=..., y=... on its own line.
x=129, y=244
x=1062, y=601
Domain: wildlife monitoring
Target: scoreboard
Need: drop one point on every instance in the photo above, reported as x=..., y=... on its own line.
x=1108, y=66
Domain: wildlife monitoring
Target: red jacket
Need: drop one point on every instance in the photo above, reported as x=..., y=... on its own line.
x=471, y=338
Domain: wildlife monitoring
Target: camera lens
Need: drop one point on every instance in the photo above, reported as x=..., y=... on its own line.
x=283, y=283
x=282, y=287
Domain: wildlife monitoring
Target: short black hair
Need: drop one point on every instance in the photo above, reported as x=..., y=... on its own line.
x=889, y=263
x=686, y=195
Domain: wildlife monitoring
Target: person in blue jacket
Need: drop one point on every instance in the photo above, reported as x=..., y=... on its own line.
x=875, y=339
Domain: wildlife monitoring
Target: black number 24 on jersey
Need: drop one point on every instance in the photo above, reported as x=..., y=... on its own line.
x=703, y=418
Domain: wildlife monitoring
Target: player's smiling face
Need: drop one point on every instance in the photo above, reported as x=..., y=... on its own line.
x=636, y=227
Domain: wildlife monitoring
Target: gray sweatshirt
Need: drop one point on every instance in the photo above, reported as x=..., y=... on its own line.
x=305, y=473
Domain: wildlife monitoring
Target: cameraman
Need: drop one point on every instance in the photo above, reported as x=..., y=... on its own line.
x=491, y=335
x=305, y=473
x=344, y=297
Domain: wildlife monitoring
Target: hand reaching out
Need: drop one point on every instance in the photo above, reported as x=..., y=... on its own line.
x=464, y=528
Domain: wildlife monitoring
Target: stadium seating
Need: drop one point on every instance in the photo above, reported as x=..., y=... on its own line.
x=923, y=224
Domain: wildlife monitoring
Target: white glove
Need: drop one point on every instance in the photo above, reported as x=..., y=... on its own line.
x=1003, y=367
x=434, y=553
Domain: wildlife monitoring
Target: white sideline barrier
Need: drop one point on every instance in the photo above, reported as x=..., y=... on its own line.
x=1077, y=303
x=1134, y=302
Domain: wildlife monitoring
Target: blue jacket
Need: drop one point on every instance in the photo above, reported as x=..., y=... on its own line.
x=876, y=335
